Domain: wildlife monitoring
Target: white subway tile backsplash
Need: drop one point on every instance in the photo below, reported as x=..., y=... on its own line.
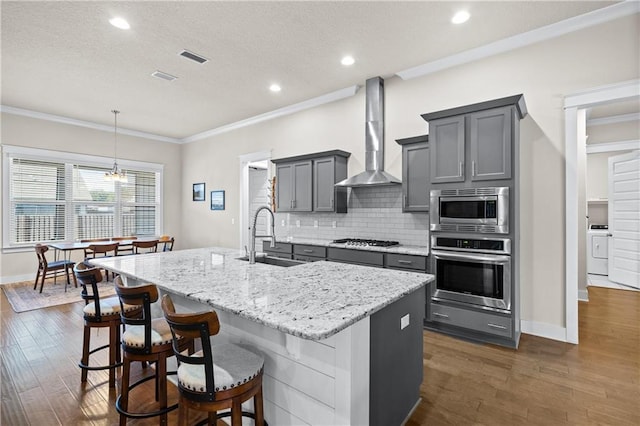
x=373, y=212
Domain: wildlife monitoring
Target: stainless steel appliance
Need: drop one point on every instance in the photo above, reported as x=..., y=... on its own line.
x=483, y=210
x=473, y=271
x=362, y=242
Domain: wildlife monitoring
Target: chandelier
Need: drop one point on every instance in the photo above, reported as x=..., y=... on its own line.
x=115, y=174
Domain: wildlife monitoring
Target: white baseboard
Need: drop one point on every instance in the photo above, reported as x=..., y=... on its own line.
x=583, y=295
x=541, y=329
x=17, y=278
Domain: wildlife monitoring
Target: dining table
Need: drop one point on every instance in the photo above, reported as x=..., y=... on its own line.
x=67, y=247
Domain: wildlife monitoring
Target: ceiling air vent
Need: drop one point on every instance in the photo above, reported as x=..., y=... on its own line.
x=163, y=75
x=190, y=55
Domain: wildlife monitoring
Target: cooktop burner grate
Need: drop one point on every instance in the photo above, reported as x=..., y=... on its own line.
x=363, y=242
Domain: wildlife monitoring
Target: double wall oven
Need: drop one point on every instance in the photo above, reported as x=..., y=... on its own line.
x=471, y=248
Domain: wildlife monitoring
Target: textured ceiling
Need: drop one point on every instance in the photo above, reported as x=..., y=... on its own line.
x=64, y=58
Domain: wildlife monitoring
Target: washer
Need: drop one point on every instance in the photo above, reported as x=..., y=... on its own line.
x=597, y=249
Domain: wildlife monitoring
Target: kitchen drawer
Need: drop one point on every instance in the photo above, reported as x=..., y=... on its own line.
x=371, y=258
x=307, y=258
x=406, y=261
x=473, y=320
x=284, y=248
x=305, y=250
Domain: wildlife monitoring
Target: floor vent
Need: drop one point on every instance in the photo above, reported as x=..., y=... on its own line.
x=163, y=75
x=190, y=55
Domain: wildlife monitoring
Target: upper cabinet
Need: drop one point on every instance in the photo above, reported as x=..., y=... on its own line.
x=474, y=142
x=305, y=183
x=415, y=173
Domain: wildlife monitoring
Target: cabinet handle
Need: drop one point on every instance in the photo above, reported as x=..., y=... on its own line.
x=405, y=262
x=438, y=314
x=332, y=203
x=291, y=204
x=460, y=169
x=499, y=327
x=473, y=168
x=405, y=201
x=307, y=251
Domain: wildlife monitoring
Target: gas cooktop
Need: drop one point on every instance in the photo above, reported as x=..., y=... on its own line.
x=361, y=242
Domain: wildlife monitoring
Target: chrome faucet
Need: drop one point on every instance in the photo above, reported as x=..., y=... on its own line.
x=252, y=252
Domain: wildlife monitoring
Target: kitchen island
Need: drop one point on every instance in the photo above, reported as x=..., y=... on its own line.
x=342, y=343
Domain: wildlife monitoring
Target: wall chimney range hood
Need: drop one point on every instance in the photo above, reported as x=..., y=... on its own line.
x=374, y=174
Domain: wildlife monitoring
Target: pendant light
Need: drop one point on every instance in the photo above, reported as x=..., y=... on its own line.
x=115, y=174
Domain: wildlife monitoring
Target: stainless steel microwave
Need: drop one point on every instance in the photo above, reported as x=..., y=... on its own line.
x=470, y=210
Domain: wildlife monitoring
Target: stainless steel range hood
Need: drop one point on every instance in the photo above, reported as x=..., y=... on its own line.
x=374, y=174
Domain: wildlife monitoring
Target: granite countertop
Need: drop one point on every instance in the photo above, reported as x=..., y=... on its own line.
x=399, y=249
x=313, y=301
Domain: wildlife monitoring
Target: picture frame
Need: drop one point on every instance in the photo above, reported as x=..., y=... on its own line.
x=217, y=200
x=198, y=191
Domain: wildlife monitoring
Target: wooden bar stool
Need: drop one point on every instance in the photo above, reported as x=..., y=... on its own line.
x=218, y=377
x=145, y=339
x=99, y=312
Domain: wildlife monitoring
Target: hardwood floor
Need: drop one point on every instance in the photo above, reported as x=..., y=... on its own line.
x=544, y=382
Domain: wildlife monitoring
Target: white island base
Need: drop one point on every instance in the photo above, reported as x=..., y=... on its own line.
x=325, y=382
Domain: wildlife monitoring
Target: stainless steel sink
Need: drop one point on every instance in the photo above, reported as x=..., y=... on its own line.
x=274, y=261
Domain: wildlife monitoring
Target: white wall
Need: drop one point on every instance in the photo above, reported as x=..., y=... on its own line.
x=544, y=73
x=35, y=133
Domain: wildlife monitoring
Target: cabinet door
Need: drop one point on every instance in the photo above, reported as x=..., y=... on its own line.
x=323, y=181
x=490, y=139
x=415, y=177
x=446, y=139
x=302, y=186
x=284, y=187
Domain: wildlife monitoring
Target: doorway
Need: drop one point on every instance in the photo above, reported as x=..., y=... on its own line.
x=255, y=175
x=576, y=107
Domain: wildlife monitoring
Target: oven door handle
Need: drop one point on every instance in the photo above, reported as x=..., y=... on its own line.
x=491, y=258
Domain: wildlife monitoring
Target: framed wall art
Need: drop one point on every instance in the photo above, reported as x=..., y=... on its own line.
x=198, y=192
x=217, y=200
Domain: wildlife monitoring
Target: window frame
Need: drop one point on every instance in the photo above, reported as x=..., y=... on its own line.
x=70, y=160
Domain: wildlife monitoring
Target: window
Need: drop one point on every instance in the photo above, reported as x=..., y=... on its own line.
x=56, y=197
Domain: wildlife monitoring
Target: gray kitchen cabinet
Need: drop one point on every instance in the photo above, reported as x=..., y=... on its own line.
x=407, y=262
x=293, y=187
x=447, y=150
x=415, y=173
x=305, y=183
x=474, y=142
x=283, y=250
x=490, y=139
x=484, y=322
x=326, y=173
x=359, y=257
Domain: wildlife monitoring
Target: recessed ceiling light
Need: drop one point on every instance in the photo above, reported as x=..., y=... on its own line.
x=119, y=22
x=347, y=60
x=460, y=17
x=275, y=88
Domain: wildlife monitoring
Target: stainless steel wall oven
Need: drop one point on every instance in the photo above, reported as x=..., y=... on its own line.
x=473, y=271
x=470, y=210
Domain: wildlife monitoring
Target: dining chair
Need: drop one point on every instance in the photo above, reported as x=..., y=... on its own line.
x=87, y=251
x=122, y=248
x=147, y=246
x=104, y=250
x=51, y=269
x=218, y=377
x=167, y=242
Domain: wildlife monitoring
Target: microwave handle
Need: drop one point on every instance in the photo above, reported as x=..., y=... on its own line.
x=493, y=258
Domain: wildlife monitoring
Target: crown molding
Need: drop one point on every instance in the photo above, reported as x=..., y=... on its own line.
x=596, y=17
x=290, y=109
x=81, y=123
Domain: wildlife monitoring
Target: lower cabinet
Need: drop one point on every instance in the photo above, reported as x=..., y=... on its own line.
x=484, y=322
x=307, y=253
x=359, y=257
x=282, y=250
x=407, y=262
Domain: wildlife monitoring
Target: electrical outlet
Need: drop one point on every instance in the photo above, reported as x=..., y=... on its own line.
x=233, y=221
x=404, y=322
x=315, y=223
x=297, y=224
x=334, y=224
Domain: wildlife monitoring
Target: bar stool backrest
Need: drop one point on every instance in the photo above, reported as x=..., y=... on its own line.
x=144, y=296
x=199, y=325
x=89, y=277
